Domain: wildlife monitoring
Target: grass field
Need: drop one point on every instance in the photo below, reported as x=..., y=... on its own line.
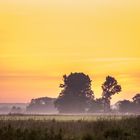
x=69, y=127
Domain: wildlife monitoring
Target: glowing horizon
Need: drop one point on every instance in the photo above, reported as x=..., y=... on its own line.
x=41, y=40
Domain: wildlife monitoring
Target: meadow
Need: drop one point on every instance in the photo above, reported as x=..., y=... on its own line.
x=69, y=127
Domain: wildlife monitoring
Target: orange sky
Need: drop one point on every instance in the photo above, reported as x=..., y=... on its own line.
x=41, y=40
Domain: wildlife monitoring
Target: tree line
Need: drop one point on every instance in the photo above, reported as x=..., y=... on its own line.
x=77, y=96
x=127, y=106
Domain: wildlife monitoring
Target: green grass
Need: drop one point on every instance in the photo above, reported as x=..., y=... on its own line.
x=69, y=127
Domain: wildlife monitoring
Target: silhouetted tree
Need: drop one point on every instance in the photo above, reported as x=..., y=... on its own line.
x=109, y=87
x=41, y=105
x=76, y=94
x=136, y=98
x=125, y=106
x=136, y=101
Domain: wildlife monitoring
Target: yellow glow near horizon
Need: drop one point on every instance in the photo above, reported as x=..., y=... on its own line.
x=42, y=40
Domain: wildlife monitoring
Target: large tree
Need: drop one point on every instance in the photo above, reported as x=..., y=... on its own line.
x=109, y=87
x=76, y=94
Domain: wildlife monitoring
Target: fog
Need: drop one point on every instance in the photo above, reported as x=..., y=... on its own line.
x=46, y=106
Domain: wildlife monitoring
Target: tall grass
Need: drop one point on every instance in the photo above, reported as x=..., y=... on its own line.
x=126, y=128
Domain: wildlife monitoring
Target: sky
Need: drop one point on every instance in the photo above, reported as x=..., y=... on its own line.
x=41, y=40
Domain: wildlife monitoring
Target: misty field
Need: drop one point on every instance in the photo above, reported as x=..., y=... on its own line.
x=69, y=127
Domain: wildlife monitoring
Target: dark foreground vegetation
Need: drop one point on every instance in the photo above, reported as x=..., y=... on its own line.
x=104, y=128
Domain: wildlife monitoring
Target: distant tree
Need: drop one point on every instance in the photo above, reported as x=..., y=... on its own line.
x=136, y=101
x=109, y=87
x=136, y=98
x=76, y=94
x=16, y=110
x=125, y=106
x=41, y=105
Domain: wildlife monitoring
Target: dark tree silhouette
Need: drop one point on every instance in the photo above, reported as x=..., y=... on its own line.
x=136, y=101
x=125, y=106
x=136, y=98
x=109, y=87
x=76, y=94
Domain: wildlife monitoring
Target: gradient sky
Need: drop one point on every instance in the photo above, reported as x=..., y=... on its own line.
x=41, y=40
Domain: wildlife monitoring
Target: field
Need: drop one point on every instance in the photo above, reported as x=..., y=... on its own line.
x=69, y=127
